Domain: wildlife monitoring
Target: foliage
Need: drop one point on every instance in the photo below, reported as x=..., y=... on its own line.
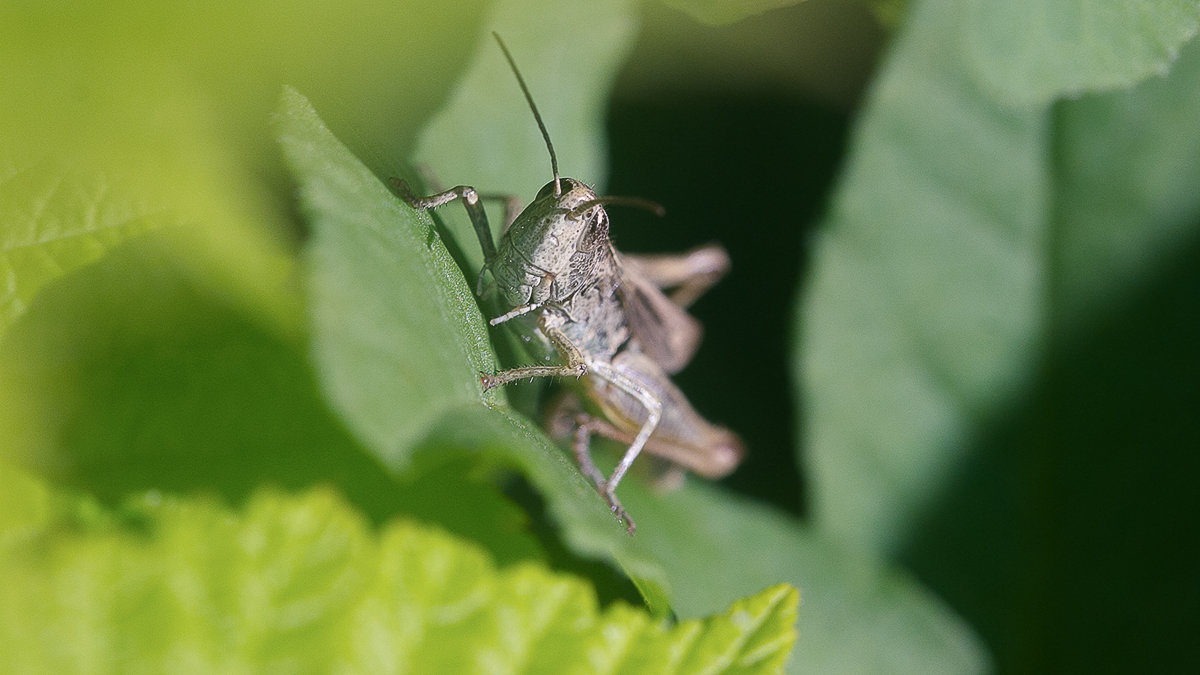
x=251, y=437
x=302, y=584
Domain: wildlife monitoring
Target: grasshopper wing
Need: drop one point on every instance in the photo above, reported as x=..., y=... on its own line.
x=665, y=331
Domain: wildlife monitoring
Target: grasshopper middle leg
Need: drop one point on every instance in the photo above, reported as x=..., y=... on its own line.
x=576, y=365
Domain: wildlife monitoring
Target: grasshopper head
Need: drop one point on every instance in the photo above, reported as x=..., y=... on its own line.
x=553, y=247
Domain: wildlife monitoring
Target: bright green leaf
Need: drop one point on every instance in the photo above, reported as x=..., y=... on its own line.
x=302, y=585
x=25, y=503
x=1034, y=51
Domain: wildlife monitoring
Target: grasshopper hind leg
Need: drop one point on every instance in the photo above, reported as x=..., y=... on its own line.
x=581, y=446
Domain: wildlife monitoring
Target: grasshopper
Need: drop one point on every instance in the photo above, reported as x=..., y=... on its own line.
x=606, y=316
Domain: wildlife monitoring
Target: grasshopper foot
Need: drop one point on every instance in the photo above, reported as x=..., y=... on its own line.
x=619, y=511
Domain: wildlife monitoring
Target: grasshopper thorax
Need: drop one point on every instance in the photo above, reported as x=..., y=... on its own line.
x=553, y=248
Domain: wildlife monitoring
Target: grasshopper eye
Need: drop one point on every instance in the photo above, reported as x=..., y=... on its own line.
x=546, y=191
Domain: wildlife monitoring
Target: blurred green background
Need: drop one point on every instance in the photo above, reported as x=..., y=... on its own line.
x=959, y=337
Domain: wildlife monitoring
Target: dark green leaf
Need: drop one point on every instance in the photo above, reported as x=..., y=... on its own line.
x=925, y=301
x=856, y=616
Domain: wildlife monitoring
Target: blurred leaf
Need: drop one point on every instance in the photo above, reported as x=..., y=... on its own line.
x=127, y=116
x=716, y=12
x=54, y=222
x=131, y=375
x=1125, y=202
x=925, y=301
x=25, y=504
x=1035, y=51
x=486, y=136
x=302, y=584
x=889, y=12
x=855, y=615
x=73, y=190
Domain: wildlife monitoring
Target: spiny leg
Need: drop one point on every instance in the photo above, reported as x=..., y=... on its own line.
x=512, y=203
x=667, y=477
x=471, y=201
x=653, y=408
x=576, y=366
x=580, y=445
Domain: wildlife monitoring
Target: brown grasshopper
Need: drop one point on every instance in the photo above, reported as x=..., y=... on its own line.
x=608, y=319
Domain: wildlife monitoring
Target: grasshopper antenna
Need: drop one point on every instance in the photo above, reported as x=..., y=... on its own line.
x=536, y=115
x=635, y=202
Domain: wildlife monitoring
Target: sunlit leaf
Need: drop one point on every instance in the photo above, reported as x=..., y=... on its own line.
x=302, y=584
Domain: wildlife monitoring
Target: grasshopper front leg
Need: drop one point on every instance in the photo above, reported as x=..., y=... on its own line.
x=471, y=201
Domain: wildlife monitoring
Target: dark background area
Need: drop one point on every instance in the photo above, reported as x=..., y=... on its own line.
x=751, y=173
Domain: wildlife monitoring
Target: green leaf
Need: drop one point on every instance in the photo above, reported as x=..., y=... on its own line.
x=1124, y=206
x=301, y=583
x=925, y=300
x=134, y=374
x=127, y=117
x=55, y=222
x=505, y=437
x=1034, y=51
x=390, y=310
x=857, y=616
x=25, y=503
x=935, y=275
